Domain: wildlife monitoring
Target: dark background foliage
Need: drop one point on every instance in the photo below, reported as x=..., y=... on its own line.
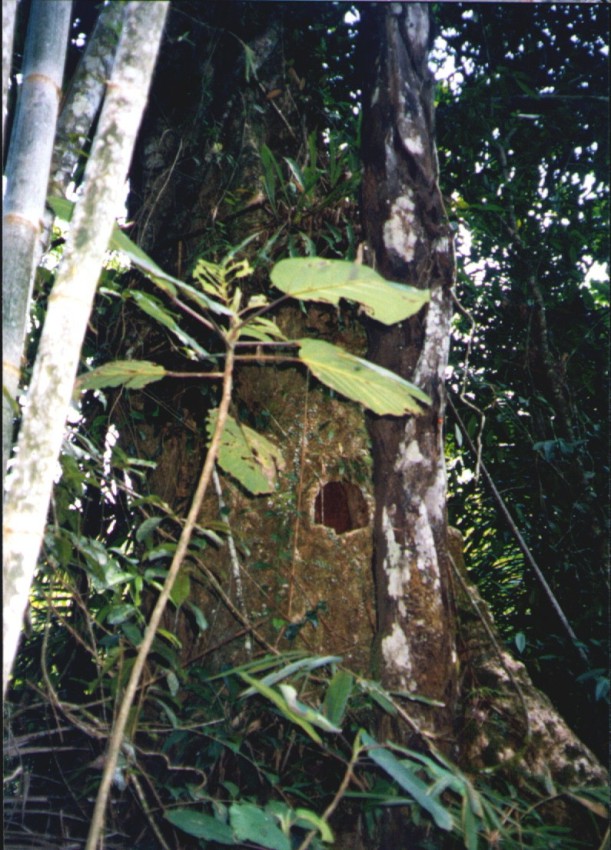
x=523, y=154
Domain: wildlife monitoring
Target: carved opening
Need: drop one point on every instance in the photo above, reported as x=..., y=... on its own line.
x=341, y=506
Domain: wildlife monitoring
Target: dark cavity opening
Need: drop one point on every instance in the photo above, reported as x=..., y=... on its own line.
x=341, y=506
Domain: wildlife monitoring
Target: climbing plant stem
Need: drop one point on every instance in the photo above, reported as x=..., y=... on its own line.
x=116, y=739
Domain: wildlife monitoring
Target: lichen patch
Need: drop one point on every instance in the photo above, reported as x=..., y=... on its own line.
x=396, y=654
x=399, y=233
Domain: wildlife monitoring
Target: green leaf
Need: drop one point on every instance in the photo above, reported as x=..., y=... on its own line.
x=305, y=711
x=248, y=456
x=272, y=174
x=200, y=619
x=262, y=329
x=302, y=664
x=469, y=826
x=140, y=260
x=309, y=819
x=200, y=825
x=250, y=823
x=170, y=637
x=281, y=703
x=146, y=528
x=408, y=780
x=316, y=279
x=378, y=389
x=337, y=696
x=173, y=686
x=181, y=589
x=296, y=173
x=170, y=676
x=133, y=374
x=132, y=633
x=520, y=641
x=155, y=309
x=120, y=613
x=378, y=694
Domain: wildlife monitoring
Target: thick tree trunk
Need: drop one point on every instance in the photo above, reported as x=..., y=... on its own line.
x=410, y=241
x=27, y=176
x=417, y=564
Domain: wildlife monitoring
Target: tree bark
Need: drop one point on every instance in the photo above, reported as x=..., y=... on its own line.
x=27, y=176
x=410, y=241
x=9, y=12
x=84, y=97
x=31, y=481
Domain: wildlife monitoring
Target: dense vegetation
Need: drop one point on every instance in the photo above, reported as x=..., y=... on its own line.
x=223, y=754
x=524, y=155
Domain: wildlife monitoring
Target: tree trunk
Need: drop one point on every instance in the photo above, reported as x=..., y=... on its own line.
x=9, y=12
x=84, y=97
x=27, y=176
x=31, y=481
x=410, y=241
x=417, y=565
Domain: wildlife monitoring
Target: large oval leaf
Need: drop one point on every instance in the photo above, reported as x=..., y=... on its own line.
x=133, y=374
x=201, y=825
x=378, y=389
x=248, y=456
x=316, y=279
x=250, y=823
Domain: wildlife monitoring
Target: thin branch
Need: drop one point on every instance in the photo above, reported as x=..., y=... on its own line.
x=116, y=740
x=522, y=545
x=463, y=397
x=348, y=775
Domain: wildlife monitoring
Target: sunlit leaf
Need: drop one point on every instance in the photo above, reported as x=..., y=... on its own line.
x=262, y=329
x=248, y=456
x=306, y=664
x=308, y=713
x=295, y=173
x=133, y=374
x=378, y=389
x=310, y=820
x=317, y=279
x=280, y=702
x=170, y=637
x=595, y=806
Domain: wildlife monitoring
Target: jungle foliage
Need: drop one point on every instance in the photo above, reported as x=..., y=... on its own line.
x=524, y=158
x=280, y=751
